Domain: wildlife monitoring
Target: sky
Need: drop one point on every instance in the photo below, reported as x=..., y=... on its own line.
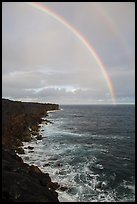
x=45, y=61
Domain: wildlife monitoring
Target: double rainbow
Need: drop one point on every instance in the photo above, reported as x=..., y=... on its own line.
x=83, y=40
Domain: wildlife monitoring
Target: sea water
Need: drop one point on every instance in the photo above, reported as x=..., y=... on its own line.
x=90, y=150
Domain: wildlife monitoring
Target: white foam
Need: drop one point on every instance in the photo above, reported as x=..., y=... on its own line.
x=99, y=166
x=78, y=178
x=52, y=111
x=65, y=197
x=129, y=186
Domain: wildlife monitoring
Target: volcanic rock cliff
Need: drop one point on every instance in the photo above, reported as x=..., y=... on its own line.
x=19, y=119
x=21, y=182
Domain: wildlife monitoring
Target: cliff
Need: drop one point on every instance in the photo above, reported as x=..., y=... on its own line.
x=21, y=182
x=20, y=120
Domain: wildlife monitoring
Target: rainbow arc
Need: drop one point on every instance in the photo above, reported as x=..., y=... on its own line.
x=82, y=39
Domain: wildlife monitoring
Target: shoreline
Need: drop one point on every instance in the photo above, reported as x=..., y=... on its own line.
x=61, y=188
x=52, y=150
x=28, y=158
x=22, y=182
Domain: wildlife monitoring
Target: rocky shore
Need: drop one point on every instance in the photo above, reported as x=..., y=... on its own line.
x=21, y=182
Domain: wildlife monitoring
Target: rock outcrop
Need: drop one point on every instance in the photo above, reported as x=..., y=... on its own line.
x=20, y=120
x=21, y=182
x=24, y=183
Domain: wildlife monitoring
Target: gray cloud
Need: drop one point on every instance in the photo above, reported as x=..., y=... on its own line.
x=58, y=95
x=43, y=60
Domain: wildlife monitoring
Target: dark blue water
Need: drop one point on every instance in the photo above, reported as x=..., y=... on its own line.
x=91, y=150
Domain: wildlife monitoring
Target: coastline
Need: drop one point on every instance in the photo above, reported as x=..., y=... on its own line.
x=30, y=158
x=20, y=181
x=55, y=155
x=51, y=154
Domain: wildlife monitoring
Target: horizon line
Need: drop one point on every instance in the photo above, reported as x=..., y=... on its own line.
x=126, y=103
x=98, y=104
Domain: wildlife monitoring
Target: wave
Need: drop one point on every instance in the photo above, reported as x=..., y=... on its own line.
x=80, y=181
x=81, y=161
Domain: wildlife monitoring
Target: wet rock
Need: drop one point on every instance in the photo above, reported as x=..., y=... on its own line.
x=31, y=151
x=35, y=128
x=20, y=150
x=34, y=133
x=24, y=183
x=98, y=184
x=44, y=121
x=46, y=164
x=39, y=137
x=63, y=188
x=29, y=147
x=103, y=185
x=59, y=164
x=35, y=169
x=54, y=185
x=50, y=122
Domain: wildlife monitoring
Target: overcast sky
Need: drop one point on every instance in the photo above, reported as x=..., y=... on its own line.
x=43, y=61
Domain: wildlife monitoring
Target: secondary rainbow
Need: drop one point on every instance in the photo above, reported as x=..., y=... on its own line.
x=103, y=13
x=83, y=40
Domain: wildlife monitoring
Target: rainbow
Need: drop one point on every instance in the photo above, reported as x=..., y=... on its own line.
x=102, y=12
x=83, y=40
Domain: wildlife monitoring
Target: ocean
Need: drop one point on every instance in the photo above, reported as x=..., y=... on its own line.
x=90, y=150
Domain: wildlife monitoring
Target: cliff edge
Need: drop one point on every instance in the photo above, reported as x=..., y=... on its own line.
x=20, y=181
